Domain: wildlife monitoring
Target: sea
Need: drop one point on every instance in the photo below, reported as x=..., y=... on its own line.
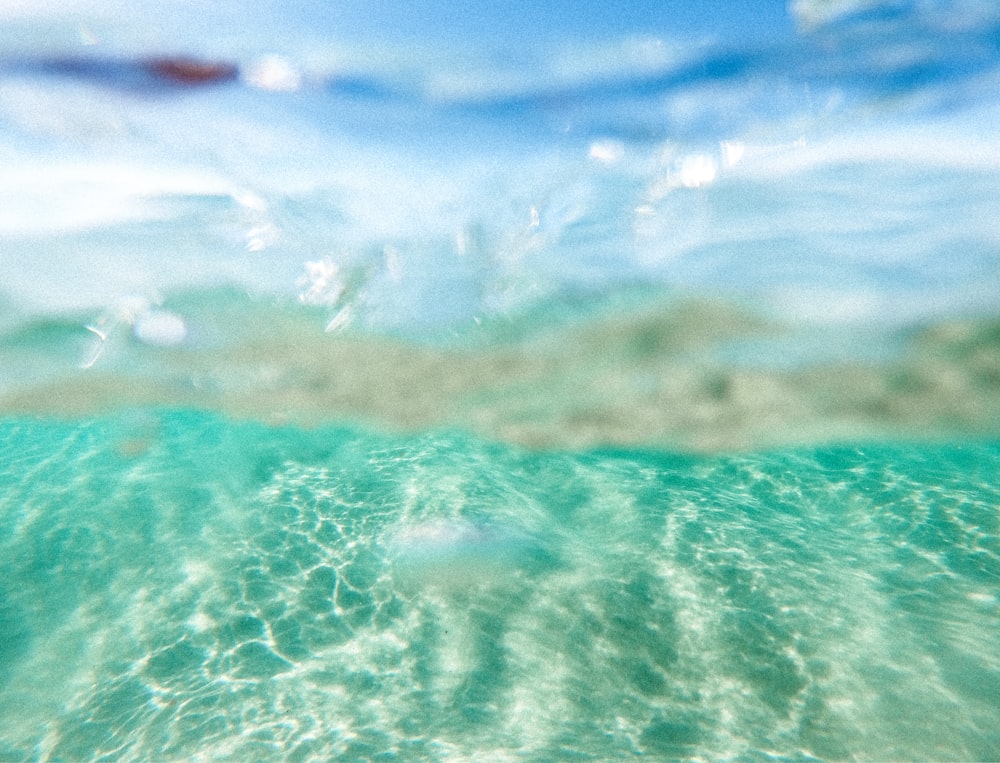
x=508, y=381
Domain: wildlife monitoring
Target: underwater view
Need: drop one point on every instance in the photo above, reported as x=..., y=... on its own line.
x=504, y=382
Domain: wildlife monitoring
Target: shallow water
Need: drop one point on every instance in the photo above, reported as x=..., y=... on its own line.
x=179, y=585
x=618, y=386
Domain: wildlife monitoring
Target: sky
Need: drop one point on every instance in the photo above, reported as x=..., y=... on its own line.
x=490, y=24
x=508, y=21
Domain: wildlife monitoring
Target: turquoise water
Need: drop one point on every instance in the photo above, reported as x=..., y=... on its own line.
x=177, y=585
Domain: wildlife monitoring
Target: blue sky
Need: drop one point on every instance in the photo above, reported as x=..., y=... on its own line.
x=505, y=22
x=492, y=25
